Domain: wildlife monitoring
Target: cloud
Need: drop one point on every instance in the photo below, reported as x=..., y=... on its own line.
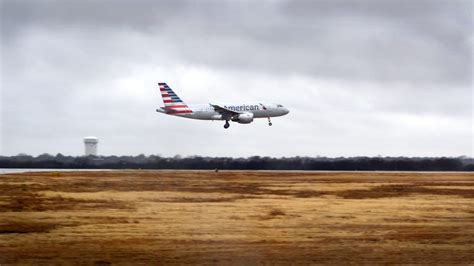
x=360, y=77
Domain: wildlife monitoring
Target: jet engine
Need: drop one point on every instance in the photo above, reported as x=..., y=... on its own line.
x=245, y=118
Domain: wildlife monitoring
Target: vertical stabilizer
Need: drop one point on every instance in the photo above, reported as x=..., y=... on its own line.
x=173, y=104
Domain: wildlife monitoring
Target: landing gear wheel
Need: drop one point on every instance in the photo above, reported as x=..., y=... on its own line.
x=227, y=125
x=269, y=122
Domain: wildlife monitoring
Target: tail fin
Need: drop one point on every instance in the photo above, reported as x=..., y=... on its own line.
x=173, y=104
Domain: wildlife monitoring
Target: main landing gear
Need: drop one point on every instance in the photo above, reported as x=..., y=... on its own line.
x=227, y=125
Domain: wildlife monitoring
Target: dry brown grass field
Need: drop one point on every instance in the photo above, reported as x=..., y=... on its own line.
x=232, y=217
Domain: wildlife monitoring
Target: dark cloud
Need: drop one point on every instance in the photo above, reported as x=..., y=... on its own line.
x=414, y=41
x=71, y=67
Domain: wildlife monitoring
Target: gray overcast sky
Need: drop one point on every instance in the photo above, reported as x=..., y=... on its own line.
x=390, y=78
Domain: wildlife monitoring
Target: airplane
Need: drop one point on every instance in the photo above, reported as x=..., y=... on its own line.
x=240, y=113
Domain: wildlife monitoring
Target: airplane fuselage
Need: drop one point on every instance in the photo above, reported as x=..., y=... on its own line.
x=259, y=110
x=241, y=113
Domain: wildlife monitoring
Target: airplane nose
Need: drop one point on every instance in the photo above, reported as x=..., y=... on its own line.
x=286, y=111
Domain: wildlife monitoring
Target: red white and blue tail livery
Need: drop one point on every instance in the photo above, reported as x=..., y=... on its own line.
x=240, y=113
x=173, y=104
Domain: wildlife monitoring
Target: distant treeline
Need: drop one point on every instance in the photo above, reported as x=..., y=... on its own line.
x=251, y=163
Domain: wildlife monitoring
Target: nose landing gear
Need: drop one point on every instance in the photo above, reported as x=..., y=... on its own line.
x=226, y=125
x=269, y=122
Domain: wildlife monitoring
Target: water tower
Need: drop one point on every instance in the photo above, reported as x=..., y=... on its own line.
x=90, y=144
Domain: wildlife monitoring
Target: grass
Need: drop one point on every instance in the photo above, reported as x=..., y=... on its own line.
x=189, y=217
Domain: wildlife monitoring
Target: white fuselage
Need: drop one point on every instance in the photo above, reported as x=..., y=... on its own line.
x=259, y=110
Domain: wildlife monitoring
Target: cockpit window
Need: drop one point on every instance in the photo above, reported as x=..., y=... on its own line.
x=280, y=105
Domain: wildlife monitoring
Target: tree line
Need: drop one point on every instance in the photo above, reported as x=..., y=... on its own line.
x=250, y=163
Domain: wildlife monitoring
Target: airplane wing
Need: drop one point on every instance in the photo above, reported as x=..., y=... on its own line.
x=226, y=113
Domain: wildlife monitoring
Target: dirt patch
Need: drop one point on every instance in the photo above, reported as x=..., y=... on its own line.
x=25, y=227
x=309, y=193
x=276, y=212
x=201, y=199
x=385, y=191
x=35, y=202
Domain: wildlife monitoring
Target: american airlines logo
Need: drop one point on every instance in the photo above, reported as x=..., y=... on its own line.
x=243, y=108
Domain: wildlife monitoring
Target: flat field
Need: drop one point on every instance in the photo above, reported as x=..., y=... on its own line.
x=182, y=217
